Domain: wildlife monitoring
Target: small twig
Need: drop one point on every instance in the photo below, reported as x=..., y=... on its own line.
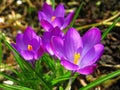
x=109, y=23
x=104, y=22
x=112, y=66
x=82, y=81
x=4, y=6
x=113, y=17
x=30, y=4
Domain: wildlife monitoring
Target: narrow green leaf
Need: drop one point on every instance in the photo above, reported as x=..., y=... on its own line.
x=53, y=4
x=76, y=15
x=61, y=88
x=100, y=80
x=0, y=49
x=49, y=61
x=66, y=76
x=13, y=87
x=38, y=67
x=9, y=77
x=110, y=28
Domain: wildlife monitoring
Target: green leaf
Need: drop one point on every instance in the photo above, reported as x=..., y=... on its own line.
x=9, y=77
x=110, y=28
x=66, y=76
x=0, y=50
x=38, y=67
x=13, y=87
x=53, y=4
x=100, y=80
x=61, y=88
x=49, y=61
x=76, y=14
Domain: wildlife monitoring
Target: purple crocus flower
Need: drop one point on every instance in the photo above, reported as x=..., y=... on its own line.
x=46, y=39
x=77, y=53
x=50, y=18
x=29, y=45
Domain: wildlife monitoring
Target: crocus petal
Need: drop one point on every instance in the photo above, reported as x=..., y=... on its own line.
x=92, y=55
x=27, y=55
x=67, y=21
x=30, y=38
x=87, y=70
x=58, y=22
x=57, y=32
x=72, y=43
x=49, y=49
x=35, y=44
x=39, y=53
x=16, y=47
x=47, y=39
x=57, y=44
x=68, y=65
x=48, y=35
x=41, y=15
x=46, y=25
x=47, y=9
x=19, y=42
x=59, y=11
x=90, y=38
x=28, y=35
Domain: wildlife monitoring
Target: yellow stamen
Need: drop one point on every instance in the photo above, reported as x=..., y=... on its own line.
x=76, y=58
x=53, y=18
x=30, y=47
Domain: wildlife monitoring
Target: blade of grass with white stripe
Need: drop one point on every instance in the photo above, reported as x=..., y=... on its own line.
x=76, y=15
x=100, y=80
x=13, y=87
x=110, y=28
x=53, y=4
x=0, y=50
x=9, y=77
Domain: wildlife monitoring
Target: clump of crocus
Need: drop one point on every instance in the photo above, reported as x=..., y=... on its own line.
x=29, y=45
x=77, y=53
x=50, y=18
x=46, y=39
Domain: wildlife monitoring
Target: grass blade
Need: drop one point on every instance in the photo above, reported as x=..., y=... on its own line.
x=100, y=80
x=66, y=76
x=110, y=28
x=53, y=4
x=13, y=87
x=9, y=77
x=0, y=49
x=76, y=15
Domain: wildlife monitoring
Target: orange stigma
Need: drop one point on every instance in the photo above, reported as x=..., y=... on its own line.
x=53, y=18
x=76, y=58
x=30, y=47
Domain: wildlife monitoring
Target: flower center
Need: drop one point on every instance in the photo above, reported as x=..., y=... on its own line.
x=53, y=18
x=76, y=58
x=30, y=47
